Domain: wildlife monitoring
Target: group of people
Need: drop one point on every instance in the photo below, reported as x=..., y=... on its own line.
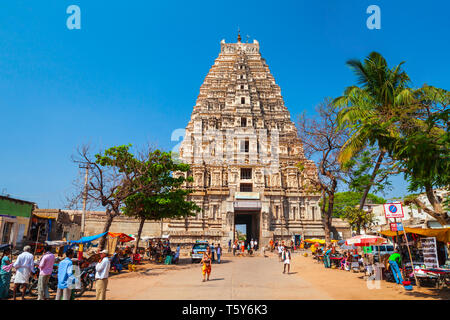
x=161, y=251
x=350, y=260
x=251, y=246
x=25, y=267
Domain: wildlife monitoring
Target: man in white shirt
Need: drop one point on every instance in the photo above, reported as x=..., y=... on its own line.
x=24, y=266
x=101, y=275
x=286, y=259
x=280, y=251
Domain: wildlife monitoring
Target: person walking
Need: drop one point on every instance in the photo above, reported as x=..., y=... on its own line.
x=229, y=246
x=212, y=252
x=65, y=277
x=234, y=248
x=326, y=257
x=5, y=274
x=255, y=243
x=395, y=261
x=101, y=276
x=206, y=261
x=286, y=259
x=219, y=252
x=45, y=271
x=280, y=252
x=24, y=266
x=252, y=244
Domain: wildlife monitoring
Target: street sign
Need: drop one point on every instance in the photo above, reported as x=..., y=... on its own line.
x=396, y=226
x=393, y=210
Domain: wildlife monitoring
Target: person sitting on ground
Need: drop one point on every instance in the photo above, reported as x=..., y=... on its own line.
x=115, y=262
x=136, y=258
x=348, y=261
x=177, y=255
x=343, y=261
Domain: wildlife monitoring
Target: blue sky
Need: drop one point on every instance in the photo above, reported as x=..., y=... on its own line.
x=133, y=72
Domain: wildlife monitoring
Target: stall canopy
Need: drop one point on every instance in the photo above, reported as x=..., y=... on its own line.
x=88, y=239
x=365, y=240
x=44, y=216
x=321, y=241
x=122, y=236
x=58, y=243
x=442, y=235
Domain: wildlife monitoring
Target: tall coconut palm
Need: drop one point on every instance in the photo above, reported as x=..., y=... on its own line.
x=371, y=109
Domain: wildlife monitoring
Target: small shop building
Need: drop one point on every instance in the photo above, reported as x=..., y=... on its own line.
x=15, y=215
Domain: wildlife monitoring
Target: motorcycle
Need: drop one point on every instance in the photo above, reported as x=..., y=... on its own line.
x=52, y=282
x=87, y=278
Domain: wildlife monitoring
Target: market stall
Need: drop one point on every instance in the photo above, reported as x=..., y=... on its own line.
x=428, y=249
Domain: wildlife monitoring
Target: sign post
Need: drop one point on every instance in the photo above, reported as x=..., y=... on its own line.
x=410, y=258
x=393, y=211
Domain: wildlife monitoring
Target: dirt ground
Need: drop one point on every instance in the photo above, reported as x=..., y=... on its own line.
x=336, y=284
x=347, y=285
x=236, y=279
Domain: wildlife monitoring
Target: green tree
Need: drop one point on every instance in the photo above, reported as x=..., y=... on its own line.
x=357, y=218
x=351, y=199
x=368, y=110
x=113, y=176
x=161, y=194
x=359, y=172
x=423, y=148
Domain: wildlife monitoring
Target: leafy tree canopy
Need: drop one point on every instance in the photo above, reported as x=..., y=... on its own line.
x=351, y=199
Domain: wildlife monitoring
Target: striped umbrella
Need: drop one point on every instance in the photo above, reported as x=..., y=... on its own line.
x=365, y=240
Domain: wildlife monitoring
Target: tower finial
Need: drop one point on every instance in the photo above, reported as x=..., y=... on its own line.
x=239, y=35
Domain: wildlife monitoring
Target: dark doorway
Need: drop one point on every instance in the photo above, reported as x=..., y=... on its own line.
x=251, y=221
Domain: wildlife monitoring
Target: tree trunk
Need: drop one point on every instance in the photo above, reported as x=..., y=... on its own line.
x=439, y=213
x=328, y=214
x=328, y=218
x=358, y=229
x=141, y=225
x=109, y=219
x=372, y=179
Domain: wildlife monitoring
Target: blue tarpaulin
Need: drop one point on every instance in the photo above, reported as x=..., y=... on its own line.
x=88, y=239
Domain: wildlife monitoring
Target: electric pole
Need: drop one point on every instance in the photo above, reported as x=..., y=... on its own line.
x=83, y=214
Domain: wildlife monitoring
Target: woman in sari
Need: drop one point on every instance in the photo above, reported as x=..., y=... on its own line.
x=206, y=260
x=5, y=274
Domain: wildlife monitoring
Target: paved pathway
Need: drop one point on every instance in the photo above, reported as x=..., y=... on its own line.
x=235, y=278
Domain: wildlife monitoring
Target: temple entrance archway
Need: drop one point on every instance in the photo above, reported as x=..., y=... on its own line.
x=251, y=220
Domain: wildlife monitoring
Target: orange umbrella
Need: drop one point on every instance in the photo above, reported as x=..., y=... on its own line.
x=122, y=236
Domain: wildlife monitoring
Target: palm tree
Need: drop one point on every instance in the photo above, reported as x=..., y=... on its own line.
x=370, y=110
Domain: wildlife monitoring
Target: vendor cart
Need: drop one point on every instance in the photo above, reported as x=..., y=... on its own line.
x=440, y=277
